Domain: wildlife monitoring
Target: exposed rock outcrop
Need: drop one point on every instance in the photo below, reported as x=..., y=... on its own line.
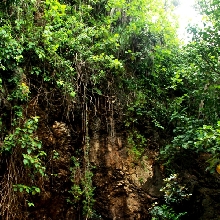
x=120, y=180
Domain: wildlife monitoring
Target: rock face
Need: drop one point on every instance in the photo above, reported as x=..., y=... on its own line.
x=121, y=181
x=125, y=187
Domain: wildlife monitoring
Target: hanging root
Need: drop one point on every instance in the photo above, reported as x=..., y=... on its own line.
x=12, y=203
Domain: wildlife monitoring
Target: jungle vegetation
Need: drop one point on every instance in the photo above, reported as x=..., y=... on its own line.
x=116, y=60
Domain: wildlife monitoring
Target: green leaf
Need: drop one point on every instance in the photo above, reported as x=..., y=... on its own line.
x=37, y=190
x=30, y=204
x=98, y=91
x=39, y=145
x=73, y=94
x=26, y=161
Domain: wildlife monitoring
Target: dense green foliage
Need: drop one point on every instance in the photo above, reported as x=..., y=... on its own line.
x=198, y=82
x=165, y=212
x=119, y=61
